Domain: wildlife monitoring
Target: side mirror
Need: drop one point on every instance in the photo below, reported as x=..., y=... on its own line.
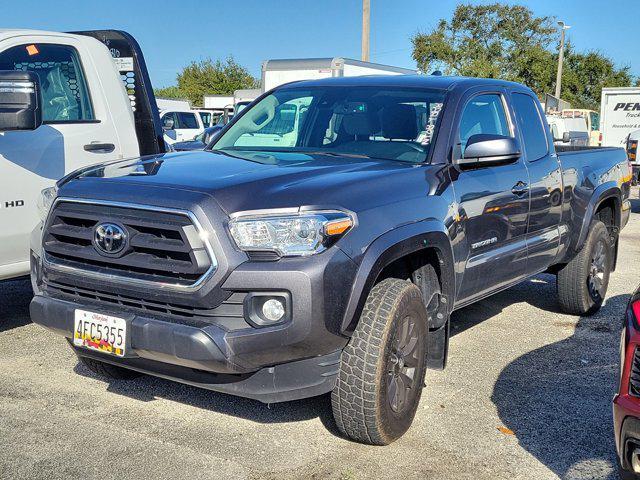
x=484, y=150
x=566, y=137
x=20, y=100
x=168, y=124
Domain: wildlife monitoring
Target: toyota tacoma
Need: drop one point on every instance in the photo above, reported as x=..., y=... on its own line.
x=320, y=242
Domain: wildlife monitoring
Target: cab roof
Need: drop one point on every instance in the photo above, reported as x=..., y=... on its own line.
x=411, y=81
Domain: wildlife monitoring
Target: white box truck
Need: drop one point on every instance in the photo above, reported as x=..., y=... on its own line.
x=619, y=115
x=277, y=72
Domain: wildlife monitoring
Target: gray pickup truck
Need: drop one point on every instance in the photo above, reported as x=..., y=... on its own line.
x=321, y=242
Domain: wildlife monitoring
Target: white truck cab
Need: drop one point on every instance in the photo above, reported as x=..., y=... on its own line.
x=71, y=90
x=181, y=125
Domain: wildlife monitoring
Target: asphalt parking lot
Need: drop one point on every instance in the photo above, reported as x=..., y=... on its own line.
x=527, y=394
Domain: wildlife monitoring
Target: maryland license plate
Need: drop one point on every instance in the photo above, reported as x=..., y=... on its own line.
x=100, y=332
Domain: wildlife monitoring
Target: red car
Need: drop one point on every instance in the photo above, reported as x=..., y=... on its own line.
x=626, y=404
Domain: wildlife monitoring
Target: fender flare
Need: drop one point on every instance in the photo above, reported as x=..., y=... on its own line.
x=601, y=193
x=397, y=243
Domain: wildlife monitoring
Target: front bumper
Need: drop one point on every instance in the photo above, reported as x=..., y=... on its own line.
x=196, y=356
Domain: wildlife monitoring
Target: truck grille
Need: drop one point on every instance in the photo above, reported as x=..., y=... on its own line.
x=161, y=246
x=230, y=313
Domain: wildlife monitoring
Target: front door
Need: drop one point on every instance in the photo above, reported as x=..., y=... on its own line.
x=493, y=204
x=77, y=131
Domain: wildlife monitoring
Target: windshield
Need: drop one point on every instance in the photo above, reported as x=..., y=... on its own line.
x=377, y=122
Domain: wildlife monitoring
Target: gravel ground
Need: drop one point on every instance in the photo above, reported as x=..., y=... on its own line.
x=527, y=394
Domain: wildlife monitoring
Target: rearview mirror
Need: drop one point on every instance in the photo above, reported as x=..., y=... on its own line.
x=485, y=150
x=20, y=101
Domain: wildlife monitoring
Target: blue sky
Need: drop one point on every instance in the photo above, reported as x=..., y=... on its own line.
x=174, y=33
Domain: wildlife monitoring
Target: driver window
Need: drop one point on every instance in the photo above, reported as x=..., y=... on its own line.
x=65, y=96
x=483, y=114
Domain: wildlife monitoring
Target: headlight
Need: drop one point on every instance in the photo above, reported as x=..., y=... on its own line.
x=295, y=234
x=47, y=196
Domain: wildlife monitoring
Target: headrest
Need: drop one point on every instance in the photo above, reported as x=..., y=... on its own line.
x=399, y=122
x=360, y=124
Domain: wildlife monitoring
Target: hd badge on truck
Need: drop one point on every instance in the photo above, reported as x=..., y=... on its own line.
x=103, y=333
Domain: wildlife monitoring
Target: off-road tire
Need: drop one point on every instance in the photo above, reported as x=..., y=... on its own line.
x=374, y=358
x=107, y=370
x=573, y=279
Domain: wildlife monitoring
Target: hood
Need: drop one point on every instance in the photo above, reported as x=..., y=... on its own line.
x=260, y=180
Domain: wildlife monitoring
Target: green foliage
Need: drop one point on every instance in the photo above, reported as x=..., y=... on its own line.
x=214, y=78
x=168, y=92
x=511, y=43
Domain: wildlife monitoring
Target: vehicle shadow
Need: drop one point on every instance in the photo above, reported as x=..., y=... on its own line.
x=148, y=388
x=557, y=398
x=15, y=296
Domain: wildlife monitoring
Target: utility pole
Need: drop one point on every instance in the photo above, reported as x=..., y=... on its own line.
x=366, y=21
x=563, y=27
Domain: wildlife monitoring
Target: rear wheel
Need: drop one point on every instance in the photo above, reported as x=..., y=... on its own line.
x=107, y=370
x=583, y=282
x=382, y=368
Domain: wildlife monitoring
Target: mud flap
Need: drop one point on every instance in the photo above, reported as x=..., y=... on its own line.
x=438, y=340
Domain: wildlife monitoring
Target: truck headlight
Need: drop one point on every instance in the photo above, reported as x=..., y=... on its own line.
x=295, y=234
x=47, y=196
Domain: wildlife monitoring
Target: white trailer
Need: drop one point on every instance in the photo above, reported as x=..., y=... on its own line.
x=172, y=104
x=619, y=114
x=278, y=72
x=218, y=102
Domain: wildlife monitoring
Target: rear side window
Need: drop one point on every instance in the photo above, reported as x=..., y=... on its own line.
x=187, y=120
x=531, y=126
x=483, y=114
x=65, y=96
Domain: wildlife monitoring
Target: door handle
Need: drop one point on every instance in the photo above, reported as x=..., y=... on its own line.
x=100, y=147
x=520, y=188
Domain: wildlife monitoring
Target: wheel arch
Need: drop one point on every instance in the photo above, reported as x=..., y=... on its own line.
x=428, y=236
x=607, y=195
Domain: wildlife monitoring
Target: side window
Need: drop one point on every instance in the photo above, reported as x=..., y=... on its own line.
x=187, y=120
x=65, y=96
x=483, y=114
x=206, y=118
x=532, y=128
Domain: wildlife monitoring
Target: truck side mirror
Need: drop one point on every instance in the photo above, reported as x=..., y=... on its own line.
x=484, y=150
x=566, y=137
x=168, y=124
x=20, y=100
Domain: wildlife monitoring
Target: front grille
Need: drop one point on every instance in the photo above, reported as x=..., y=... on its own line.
x=162, y=246
x=634, y=378
x=229, y=313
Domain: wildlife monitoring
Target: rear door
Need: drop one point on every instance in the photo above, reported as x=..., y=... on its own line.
x=545, y=177
x=77, y=131
x=493, y=202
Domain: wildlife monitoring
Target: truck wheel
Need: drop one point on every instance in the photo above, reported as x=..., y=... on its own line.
x=582, y=283
x=108, y=370
x=382, y=368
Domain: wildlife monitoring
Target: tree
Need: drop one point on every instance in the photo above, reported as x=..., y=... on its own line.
x=510, y=42
x=169, y=92
x=208, y=77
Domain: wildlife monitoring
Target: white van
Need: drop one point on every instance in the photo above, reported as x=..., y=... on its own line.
x=78, y=107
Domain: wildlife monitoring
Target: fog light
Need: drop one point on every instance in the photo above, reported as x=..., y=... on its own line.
x=273, y=310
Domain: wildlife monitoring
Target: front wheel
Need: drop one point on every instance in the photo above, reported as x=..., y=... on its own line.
x=382, y=368
x=583, y=282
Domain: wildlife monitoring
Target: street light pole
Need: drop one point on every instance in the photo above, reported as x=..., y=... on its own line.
x=366, y=19
x=563, y=27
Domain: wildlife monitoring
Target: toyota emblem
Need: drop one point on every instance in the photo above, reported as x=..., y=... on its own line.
x=110, y=238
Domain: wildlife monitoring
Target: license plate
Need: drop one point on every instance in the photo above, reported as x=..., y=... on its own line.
x=97, y=331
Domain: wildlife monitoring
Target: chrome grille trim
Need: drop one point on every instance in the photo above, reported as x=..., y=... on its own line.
x=50, y=263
